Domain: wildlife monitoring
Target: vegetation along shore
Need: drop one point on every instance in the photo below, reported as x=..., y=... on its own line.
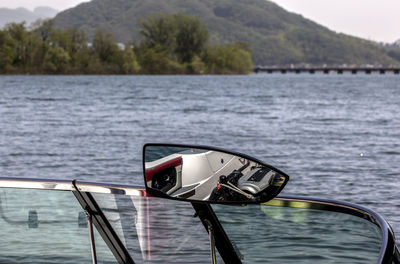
x=170, y=44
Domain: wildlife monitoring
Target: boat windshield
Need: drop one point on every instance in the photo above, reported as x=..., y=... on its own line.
x=49, y=225
x=276, y=234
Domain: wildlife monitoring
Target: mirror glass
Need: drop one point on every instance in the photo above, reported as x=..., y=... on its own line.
x=201, y=174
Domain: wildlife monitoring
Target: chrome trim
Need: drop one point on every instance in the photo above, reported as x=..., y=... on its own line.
x=66, y=185
x=110, y=188
x=46, y=184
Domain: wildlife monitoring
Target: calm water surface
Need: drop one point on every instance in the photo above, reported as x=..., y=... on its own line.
x=337, y=136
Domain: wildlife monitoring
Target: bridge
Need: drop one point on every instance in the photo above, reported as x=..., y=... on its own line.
x=327, y=70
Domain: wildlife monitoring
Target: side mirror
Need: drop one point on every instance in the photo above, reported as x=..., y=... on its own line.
x=196, y=174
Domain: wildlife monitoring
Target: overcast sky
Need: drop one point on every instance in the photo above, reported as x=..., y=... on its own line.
x=377, y=20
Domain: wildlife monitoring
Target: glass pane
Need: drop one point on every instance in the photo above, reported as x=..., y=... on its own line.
x=157, y=230
x=103, y=253
x=267, y=234
x=45, y=226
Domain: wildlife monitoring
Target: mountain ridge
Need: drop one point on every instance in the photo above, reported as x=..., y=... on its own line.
x=276, y=36
x=20, y=14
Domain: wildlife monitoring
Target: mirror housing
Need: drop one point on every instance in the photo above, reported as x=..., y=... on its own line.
x=207, y=174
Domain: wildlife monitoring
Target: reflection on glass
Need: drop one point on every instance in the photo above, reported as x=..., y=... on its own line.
x=156, y=230
x=266, y=234
x=208, y=175
x=45, y=226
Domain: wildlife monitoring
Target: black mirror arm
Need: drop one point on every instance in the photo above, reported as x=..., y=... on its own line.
x=225, y=248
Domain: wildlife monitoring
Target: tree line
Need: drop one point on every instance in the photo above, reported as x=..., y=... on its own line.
x=170, y=44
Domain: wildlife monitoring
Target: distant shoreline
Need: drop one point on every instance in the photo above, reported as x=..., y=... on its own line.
x=180, y=48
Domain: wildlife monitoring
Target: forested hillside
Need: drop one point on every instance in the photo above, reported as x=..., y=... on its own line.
x=276, y=37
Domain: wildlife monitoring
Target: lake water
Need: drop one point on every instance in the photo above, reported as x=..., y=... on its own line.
x=337, y=136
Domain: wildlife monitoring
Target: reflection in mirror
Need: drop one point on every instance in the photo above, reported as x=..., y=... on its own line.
x=197, y=174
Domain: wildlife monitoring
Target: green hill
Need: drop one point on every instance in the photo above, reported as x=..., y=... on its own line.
x=276, y=36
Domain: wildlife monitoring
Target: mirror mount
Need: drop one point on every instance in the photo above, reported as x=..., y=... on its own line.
x=156, y=193
x=228, y=252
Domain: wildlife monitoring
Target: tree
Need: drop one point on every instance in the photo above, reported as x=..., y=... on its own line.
x=228, y=59
x=104, y=46
x=6, y=55
x=44, y=28
x=159, y=30
x=19, y=43
x=191, y=37
x=74, y=41
x=155, y=61
x=130, y=64
x=182, y=36
x=56, y=60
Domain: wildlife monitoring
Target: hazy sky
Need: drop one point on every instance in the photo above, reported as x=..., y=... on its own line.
x=377, y=20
